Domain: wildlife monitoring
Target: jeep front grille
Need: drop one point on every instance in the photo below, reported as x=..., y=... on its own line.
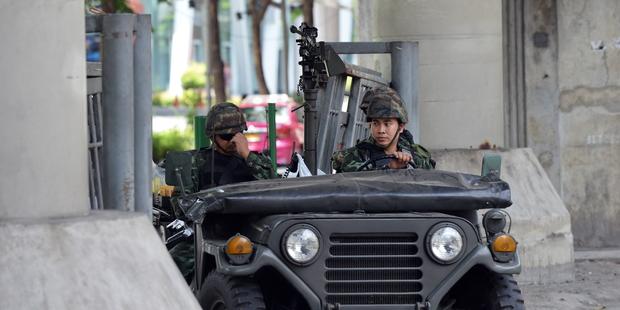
x=371, y=269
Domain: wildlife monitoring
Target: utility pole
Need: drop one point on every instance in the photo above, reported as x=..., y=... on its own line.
x=205, y=38
x=285, y=33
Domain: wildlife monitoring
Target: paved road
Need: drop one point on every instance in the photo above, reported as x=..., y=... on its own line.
x=596, y=285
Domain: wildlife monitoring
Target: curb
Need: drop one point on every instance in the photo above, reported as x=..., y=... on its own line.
x=597, y=254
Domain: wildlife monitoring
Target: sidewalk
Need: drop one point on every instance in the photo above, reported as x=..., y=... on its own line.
x=596, y=284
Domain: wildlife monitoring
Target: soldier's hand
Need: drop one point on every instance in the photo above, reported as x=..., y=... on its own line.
x=241, y=145
x=401, y=160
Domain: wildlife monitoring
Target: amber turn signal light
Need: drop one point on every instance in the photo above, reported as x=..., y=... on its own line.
x=504, y=244
x=239, y=245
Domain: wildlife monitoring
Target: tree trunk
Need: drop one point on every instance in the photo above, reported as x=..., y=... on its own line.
x=216, y=66
x=258, y=9
x=308, y=6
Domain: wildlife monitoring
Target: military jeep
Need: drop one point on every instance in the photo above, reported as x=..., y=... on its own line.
x=381, y=239
x=384, y=239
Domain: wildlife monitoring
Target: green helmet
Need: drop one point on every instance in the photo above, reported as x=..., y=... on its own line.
x=383, y=103
x=224, y=118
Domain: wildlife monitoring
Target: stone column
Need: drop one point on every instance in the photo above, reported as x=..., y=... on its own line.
x=43, y=158
x=589, y=118
x=460, y=65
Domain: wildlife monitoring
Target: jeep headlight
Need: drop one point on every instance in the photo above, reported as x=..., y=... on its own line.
x=301, y=244
x=445, y=243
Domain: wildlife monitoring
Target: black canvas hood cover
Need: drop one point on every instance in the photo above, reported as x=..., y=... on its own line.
x=380, y=191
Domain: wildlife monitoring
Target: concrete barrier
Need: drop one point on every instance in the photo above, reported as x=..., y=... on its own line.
x=107, y=260
x=541, y=222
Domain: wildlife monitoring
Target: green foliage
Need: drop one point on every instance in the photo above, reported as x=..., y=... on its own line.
x=195, y=76
x=193, y=82
x=113, y=6
x=162, y=99
x=224, y=5
x=191, y=97
x=121, y=6
x=109, y=6
x=171, y=140
x=296, y=12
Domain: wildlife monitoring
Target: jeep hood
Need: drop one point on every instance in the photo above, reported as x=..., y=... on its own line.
x=381, y=191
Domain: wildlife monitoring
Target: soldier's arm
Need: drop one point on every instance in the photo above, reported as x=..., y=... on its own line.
x=422, y=157
x=260, y=166
x=348, y=160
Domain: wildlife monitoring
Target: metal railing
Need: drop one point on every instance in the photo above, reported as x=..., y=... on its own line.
x=339, y=129
x=95, y=134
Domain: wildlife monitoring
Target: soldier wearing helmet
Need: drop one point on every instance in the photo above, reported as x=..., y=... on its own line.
x=390, y=145
x=229, y=160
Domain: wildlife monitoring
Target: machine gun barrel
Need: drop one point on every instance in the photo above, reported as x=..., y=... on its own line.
x=296, y=30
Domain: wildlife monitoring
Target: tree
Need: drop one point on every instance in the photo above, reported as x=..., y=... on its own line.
x=257, y=10
x=308, y=6
x=216, y=66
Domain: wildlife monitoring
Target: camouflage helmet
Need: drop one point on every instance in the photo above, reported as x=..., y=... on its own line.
x=224, y=118
x=383, y=102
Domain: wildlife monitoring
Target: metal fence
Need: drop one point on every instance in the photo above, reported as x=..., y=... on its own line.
x=120, y=113
x=95, y=134
x=340, y=129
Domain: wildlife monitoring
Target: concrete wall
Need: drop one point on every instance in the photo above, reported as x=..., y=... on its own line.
x=460, y=64
x=540, y=222
x=108, y=260
x=589, y=104
x=43, y=123
x=541, y=85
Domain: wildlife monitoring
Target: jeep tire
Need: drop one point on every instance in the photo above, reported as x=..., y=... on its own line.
x=504, y=293
x=222, y=292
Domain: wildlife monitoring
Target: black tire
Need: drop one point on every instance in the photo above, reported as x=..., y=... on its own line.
x=504, y=293
x=222, y=292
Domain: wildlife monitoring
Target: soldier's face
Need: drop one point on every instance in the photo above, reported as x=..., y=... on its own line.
x=384, y=131
x=225, y=144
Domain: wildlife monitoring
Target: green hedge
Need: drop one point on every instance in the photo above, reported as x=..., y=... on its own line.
x=195, y=76
x=171, y=140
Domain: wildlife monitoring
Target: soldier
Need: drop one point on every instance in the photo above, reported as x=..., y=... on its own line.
x=227, y=161
x=387, y=116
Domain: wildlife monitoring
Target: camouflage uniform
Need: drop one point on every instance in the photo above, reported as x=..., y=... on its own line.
x=352, y=158
x=228, y=169
x=381, y=103
x=226, y=118
x=211, y=169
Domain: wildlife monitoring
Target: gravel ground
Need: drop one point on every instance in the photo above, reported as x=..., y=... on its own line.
x=596, y=286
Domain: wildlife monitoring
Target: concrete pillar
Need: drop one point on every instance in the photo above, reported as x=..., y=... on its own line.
x=43, y=158
x=181, y=45
x=589, y=107
x=541, y=84
x=540, y=222
x=241, y=82
x=460, y=65
x=326, y=20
